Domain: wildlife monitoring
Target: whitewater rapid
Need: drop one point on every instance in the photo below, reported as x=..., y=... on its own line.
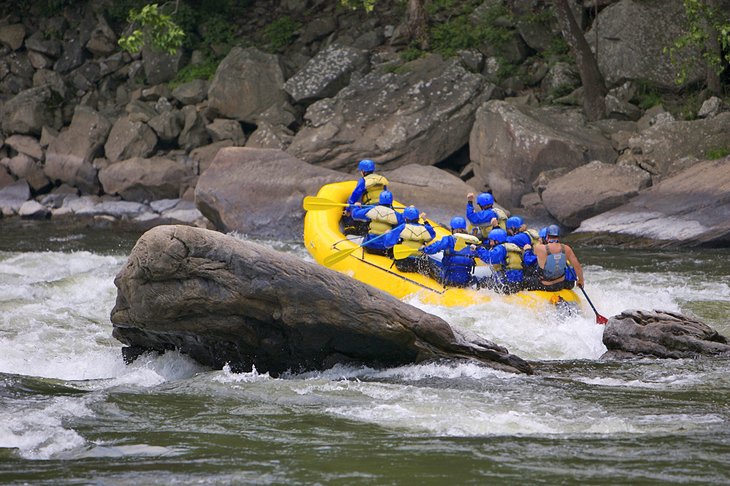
x=55, y=332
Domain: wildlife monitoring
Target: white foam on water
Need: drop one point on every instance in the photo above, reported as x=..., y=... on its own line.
x=36, y=428
x=525, y=331
x=465, y=413
x=228, y=376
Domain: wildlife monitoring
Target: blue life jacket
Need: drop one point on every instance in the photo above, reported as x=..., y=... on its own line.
x=457, y=267
x=555, y=264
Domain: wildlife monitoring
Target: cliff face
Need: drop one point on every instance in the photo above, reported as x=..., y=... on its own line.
x=82, y=120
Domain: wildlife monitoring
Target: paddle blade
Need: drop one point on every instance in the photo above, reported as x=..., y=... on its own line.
x=402, y=251
x=339, y=256
x=600, y=319
x=313, y=203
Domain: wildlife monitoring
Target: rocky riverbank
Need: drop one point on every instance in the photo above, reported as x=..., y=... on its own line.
x=87, y=129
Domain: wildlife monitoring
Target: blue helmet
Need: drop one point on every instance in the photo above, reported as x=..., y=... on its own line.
x=514, y=222
x=458, y=222
x=411, y=213
x=386, y=198
x=543, y=233
x=553, y=230
x=485, y=199
x=366, y=165
x=498, y=234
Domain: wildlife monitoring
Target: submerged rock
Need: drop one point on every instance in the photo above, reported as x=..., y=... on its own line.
x=222, y=300
x=661, y=334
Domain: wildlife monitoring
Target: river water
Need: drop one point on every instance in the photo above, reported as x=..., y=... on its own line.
x=71, y=412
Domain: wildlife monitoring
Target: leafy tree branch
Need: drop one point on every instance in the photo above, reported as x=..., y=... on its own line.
x=154, y=28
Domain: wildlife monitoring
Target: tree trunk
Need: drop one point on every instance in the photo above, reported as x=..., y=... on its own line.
x=417, y=23
x=594, y=87
x=712, y=46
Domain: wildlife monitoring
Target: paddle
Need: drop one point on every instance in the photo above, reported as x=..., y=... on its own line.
x=313, y=203
x=342, y=254
x=599, y=318
x=403, y=251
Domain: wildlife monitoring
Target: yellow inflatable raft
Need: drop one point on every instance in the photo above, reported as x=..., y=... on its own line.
x=323, y=238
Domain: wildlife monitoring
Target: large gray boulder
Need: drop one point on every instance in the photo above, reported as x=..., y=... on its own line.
x=418, y=116
x=12, y=35
x=246, y=83
x=30, y=110
x=592, y=189
x=193, y=133
x=13, y=196
x=691, y=208
x=70, y=155
x=226, y=301
x=102, y=40
x=326, y=73
x=511, y=144
x=160, y=66
x=659, y=148
x=631, y=36
x=25, y=167
x=140, y=179
x=128, y=139
x=661, y=334
x=25, y=144
x=259, y=191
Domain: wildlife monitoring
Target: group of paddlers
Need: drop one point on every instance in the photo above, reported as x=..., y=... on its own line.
x=520, y=258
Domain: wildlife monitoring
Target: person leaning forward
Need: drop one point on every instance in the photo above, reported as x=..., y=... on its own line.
x=412, y=234
x=380, y=220
x=557, y=265
x=457, y=264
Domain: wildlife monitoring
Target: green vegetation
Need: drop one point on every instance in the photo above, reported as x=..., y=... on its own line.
x=647, y=97
x=490, y=26
x=718, y=153
x=506, y=69
x=154, y=28
x=703, y=21
x=453, y=35
x=558, y=51
x=413, y=52
x=459, y=32
x=367, y=5
x=688, y=106
x=280, y=33
x=205, y=70
x=560, y=91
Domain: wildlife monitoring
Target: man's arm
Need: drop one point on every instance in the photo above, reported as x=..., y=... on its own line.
x=360, y=212
x=429, y=228
x=576, y=265
x=437, y=246
x=391, y=237
x=357, y=193
x=494, y=255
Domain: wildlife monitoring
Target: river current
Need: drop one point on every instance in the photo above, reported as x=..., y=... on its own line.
x=71, y=412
